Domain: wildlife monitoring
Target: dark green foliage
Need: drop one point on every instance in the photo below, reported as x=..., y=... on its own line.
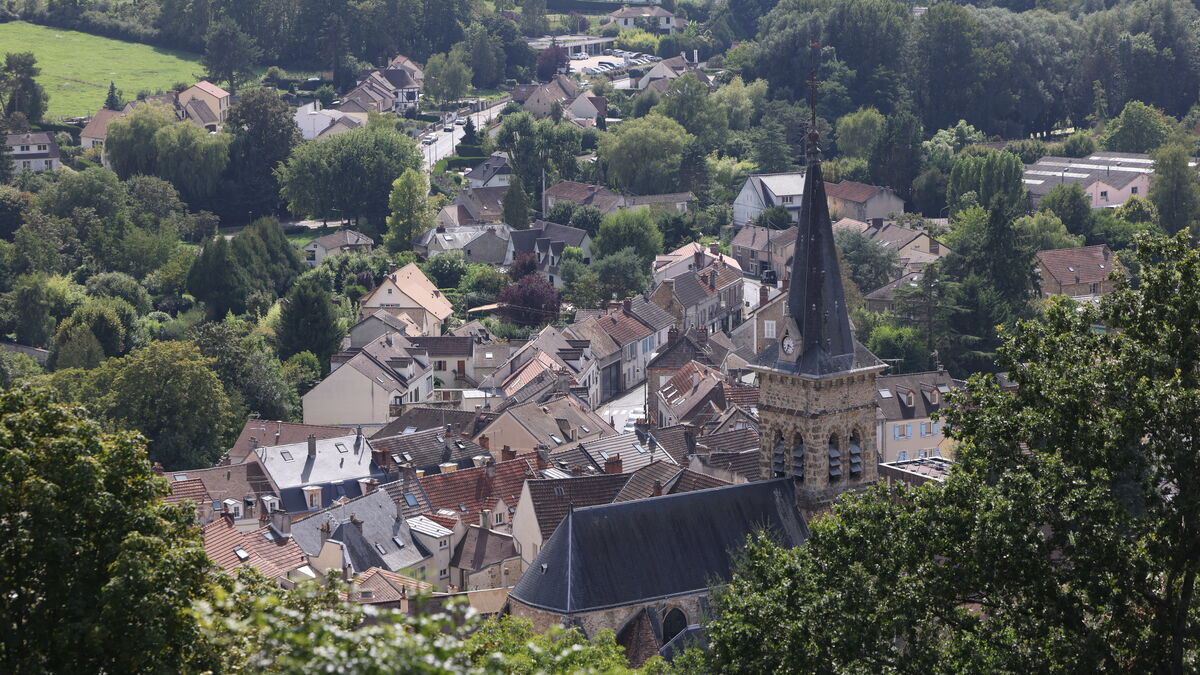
x=561, y=212
x=229, y=54
x=264, y=135
x=629, y=229
x=12, y=206
x=993, y=177
x=267, y=256
x=481, y=285
x=588, y=219
x=447, y=269
x=308, y=322
x=1072, y=206
x=774, y=218
x=896, y=159
x=1175, y=190
x=218, y=279
x=516, y=205
x=621, y=274
x=113, y=100
x=870, y=265
x=252, y=376
x=110, y=557
x=120, y=285
x=20, y=92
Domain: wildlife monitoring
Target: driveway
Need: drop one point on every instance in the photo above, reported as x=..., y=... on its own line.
x=625, y=409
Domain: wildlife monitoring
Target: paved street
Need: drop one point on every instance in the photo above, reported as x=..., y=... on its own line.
x=622, y=411
x=444, y=147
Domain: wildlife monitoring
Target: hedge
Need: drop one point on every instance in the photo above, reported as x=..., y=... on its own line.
x=464, y=150
x=463, y=162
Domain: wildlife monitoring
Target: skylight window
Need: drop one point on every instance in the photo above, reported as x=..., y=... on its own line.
x=410, y=499
x=884, y=393
x=462, y=507
x=287, y=456
x=585, y=429
x=379, y=547
x=181, y=476
x=241, y=553
x=487, y=355
x=558, y=492
x=341, y=447
x=556, y=439
x=398, y=542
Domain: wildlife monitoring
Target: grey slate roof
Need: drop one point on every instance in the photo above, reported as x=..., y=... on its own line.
x=423, y=418
x=651, y=314
x=928, y=388
x=635, y=451
x=374, y=544
x=633, y=552
x=480, y=548
x=341, y=458
x=427, y=449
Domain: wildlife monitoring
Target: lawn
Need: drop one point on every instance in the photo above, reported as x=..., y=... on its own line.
x=77, y=67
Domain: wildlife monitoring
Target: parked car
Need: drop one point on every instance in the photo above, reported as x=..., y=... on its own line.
x=608, y=52
x=610, y=64
x=590, y=71
x=428, y=140
x=462, y=121
x=578, y=56
x=449, y=127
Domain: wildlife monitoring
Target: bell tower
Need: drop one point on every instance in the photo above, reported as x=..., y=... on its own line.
x=817, y=398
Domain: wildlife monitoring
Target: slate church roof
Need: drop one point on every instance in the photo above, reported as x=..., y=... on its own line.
x=632, y=552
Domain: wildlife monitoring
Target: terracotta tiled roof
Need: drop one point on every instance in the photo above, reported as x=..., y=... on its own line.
x=445, y=521
x=1083, y=265
x=211, y=89
x=192, y=488
x=469, y=491
x=230, y=548
x=740, y=394
x=851, y=191
x=678, y=441
x=738, y=440
x=641, y=482
x=624, y=328
x=386, y=586
x=552, y=499
x=691, y=481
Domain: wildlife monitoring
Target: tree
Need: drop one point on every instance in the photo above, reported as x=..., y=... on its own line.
x=688, y=102
x=643, y=155
x=122, y=286
x=901, y=347
x=130, y=146
x=447, y=269
x=871, y=265
x=111, y=557
x=1081, y=427
x=308, y=322
x=770, y=154
x=523, y=265
x=264, y=135
x=550, y=62
x=229, y=54
x=487, y=57
x=348, y=175
x=531, y=301
x=774, y=218
x=192, y=159
x=588, y=219
x=412, y=214
x=185, y=416
x=481, y=285
x=1175, y=190
x=858, y=132
x=533, y=17
x=943, y=149
x=447, y=76
x=1072, y=206
x=113, y=100
x=218, y=279
x=516, y=205
x=270, y=261
x=995, y=178
x=1079, y=144
x=621, y=274
x=1139, y=128
x=1045, y=232
x=896, y=157
x=629, y=229
x=248, y=368
x=20, y=91
x=561, y=212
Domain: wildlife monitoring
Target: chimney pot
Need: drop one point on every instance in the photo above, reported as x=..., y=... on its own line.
x=714, y=248
x=485, y=519
x=628, y=305
x=657, y=490
x=613, y=465
x=312, y=445
x=577, y=470
x=281, y=522
x=698, y=260
x=485, y=443
x=542, y=463
x=507, y=453
x=764, y=294
x=253, y=443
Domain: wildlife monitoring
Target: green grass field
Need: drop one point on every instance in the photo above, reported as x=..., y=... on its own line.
x=77, y=67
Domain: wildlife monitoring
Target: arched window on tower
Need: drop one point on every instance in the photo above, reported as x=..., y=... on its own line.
x=856, y=460
x=835, y=460
x=674, y=623
x=779, y=458
x=798, y=458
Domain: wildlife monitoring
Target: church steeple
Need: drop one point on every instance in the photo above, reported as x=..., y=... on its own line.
x=816, y=300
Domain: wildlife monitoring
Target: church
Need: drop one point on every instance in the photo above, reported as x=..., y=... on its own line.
x=817, y=397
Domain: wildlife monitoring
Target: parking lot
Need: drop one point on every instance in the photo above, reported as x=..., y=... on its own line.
x=619, y=61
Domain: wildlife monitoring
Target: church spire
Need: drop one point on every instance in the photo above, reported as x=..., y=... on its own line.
x=816, y=300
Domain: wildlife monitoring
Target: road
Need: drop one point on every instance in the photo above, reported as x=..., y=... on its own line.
x=445, y=141
x=625, y=409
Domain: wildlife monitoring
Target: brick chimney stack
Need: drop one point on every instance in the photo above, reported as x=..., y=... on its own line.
x=627, y=306
x=312, y=445
x=764, y=294
x=714, y=248
x=507, y=453
x=613, y=465
x=698, y=260
x=656, y=491
x=485, y=443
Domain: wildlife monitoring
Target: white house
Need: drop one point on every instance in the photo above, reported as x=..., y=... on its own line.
x=768, y=190
x=35, y=151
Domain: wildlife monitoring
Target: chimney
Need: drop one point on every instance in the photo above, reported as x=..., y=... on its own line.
x=326, y=530
x=877, y=223
x=577, y=470
x=281, y=522
x=485, y=519
x=485, y=443
x=367, y=485
x=507, y=454
x=312, y=445
x=702, y=337
x=628, y=305
x=656, y=491
x=356, y=521
x=448, y=467
x=714, y=248
x=764, y=294
x=712, y=278
x=542, y=463
x=1106, y=253
x=253, y=444
x=613, y=465
x=672, y=335
x=420, y=473
x=698, y=260
x=158, y=469
x=441, y=229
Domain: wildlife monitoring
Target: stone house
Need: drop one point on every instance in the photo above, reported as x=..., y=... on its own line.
x=905, y=404
x=707, y=296
x=337, y=243
x=860, y=201
x=1079, y=273
x=408, y=291
x=368, y=386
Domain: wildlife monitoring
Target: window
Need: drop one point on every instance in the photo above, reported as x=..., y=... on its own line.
x=443, y=543
x=895, y=432
x=924, y=429
x=49, y=163
x=341, y=447
x=903, y=455
x=314, y=498
x=1104, y=195
x=410, y=499
x=24, y=148
x=43, y=147
x=937, y=452
x=439, y=365
x=444, y=573
x=768, y=329
x=1095, y=288
x=287, y=456
x=379, y=547
x=934, y=429
x=398, y=542
x=1133, y=190
x=26, y=164
x=908, y=430
x=786, y=199
x=241, y=553
x=499, y=518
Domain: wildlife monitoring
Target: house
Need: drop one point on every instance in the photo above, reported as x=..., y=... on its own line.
x=763, y=321
x=270, y=549
x=606, y=355
x=408, y=291
x=494, y=488
x=744, y=466
x=883, y=299
x=606, y=563
x=258, y=432
x=544, y=504
x=697, y=345
x=316, y=122
x=244, y=493
x=95, y=133
x=489, y=244
x=355, y=535
x=550, y=361
x=371, y=328
x=694, y=394
x=914, y=248
x=405, y=88
x=1078, y=273
x=905, y=404
x=485, y=558
x=629, y=18
x=706, y=296
x=559, y=422
x=763, y=252
x=439, y=539
x=635, y=340
x=689, y=256
x=312, y=475
x=860, y=201
x=414, y=69
x=674, y=67
x=342, y=241
x=385, y=90
x=428, y=451
x=607, y=201
x=626, y=452
x=384, y=589
x=1108, y=178
x=766, y=191
x=561, y=90
x=368, y=386
x=414, y=418
x=586, y=108
x=33, y=151
x=474, y=206
x=205, y=104
x=546, y=241
x=453, y=360
x=495, y=171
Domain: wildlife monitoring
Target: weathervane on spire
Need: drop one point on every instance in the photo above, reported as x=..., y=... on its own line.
x=814, y=151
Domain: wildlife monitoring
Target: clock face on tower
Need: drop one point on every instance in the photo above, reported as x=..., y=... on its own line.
x=789, y=345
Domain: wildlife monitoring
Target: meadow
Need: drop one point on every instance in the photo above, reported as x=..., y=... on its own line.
x=77, y=67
